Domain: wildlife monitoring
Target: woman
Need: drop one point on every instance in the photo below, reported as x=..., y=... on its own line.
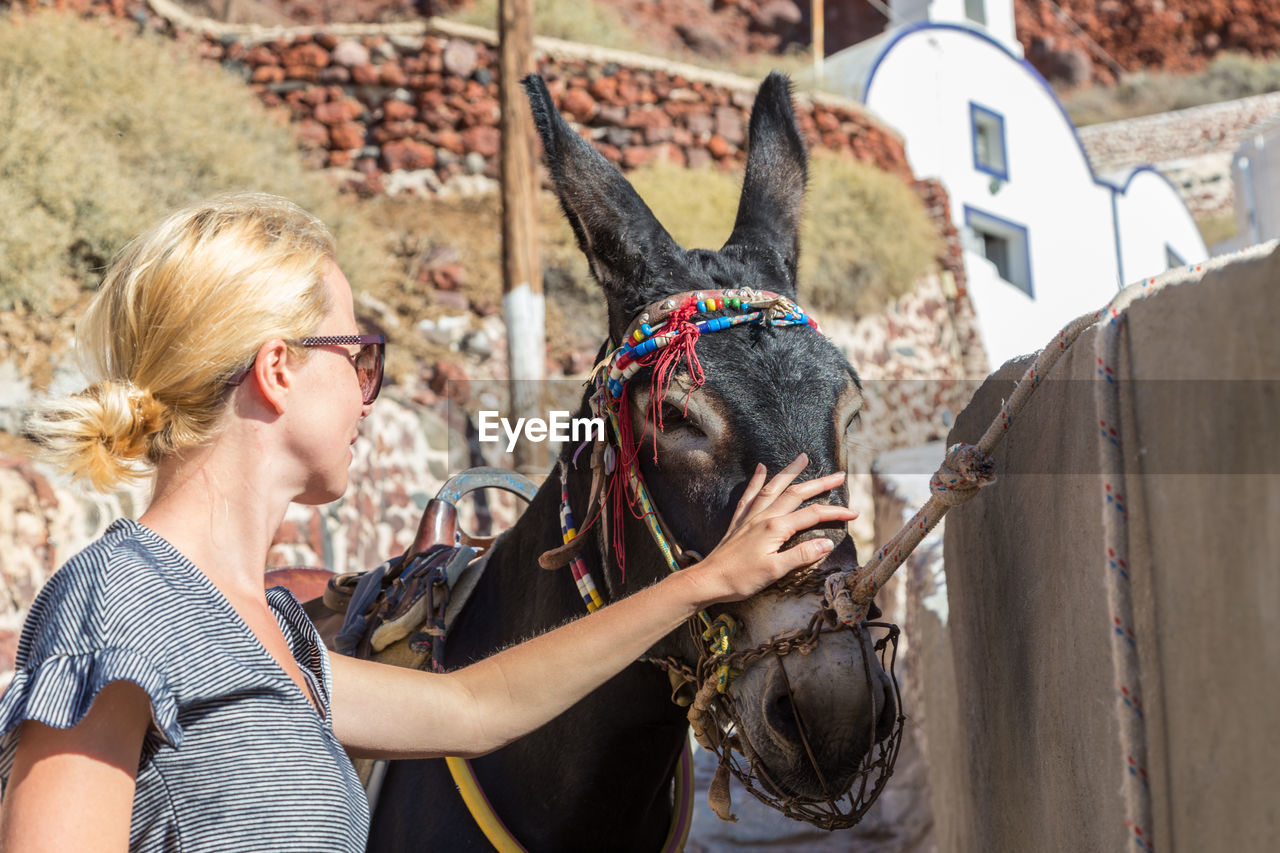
x=162, y=699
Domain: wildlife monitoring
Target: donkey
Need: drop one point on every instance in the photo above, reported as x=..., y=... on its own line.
x=599, y=776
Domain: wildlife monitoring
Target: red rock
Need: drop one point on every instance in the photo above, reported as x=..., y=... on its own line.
x=449, y=276
x=450, y=380
x=339, y=159
x=580, y=105
x=451, y=140
x=636, y=156
x=483, y=140
x=364, y=75
x=311, y=133
x=717, y=146
x=261, y=55
x=669, y=152
x=268, y=74
x=610, y=152
x=407, y=154
x=338, y=112
x=302, y=72
x=826, y=121
x=393, y=110
x=647, y=118
x=310, y=55
x=326, y=40
x=391, y=130
x=391, y=74
x=347, y=136
x=604, y=89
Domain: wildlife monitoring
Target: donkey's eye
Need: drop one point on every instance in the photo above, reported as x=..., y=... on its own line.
x=673, y=417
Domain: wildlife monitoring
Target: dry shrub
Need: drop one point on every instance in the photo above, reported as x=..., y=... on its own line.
x=865, y=238
x=1228, y=77
x=106, y=131
x=572, y=20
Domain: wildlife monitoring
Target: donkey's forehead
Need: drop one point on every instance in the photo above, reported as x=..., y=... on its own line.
x=767, y=372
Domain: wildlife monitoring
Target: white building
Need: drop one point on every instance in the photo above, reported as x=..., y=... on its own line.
x=1046, y=237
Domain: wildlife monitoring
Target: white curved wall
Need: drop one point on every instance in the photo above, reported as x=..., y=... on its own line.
x=1152, y=218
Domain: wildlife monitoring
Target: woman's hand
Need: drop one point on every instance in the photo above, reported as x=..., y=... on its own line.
x=747, y=558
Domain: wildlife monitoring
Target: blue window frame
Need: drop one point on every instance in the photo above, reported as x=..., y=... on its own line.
x=1006, y=244
x=990, y=151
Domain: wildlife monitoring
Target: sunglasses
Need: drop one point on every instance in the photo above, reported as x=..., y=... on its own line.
x=368, y=360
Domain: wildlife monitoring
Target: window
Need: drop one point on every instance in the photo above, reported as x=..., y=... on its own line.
x=976, y=11
x=989, y=154
x=1171, y=258
x=1005, y=244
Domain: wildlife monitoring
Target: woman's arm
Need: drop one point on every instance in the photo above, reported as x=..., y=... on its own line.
x=72, y=789
x=391, y=712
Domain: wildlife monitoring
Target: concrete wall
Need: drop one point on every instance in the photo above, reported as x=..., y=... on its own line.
x=1019, y=697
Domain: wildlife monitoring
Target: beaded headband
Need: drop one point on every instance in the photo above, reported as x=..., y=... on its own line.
x=667, y=320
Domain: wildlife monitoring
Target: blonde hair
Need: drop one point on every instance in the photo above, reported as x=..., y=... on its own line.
x=181, y=309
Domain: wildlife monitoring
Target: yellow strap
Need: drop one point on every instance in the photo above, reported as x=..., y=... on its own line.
x=504, y=842
x=481, y=812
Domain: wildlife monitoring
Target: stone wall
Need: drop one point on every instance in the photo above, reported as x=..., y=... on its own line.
x=415, y=105
x=1191, y=147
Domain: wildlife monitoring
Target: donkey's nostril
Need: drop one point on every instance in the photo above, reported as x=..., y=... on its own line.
x=780, y=714
x=888, y=706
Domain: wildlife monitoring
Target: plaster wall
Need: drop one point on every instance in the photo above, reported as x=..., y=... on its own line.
x=924, y=87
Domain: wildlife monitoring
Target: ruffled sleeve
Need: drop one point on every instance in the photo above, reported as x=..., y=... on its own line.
x=59, y=691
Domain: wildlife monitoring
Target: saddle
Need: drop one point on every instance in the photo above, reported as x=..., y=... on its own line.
x=400, y=612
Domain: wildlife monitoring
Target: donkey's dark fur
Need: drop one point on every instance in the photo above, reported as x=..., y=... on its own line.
x=599, y=776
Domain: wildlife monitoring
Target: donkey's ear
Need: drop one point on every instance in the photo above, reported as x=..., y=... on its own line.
x=624, y=243
x=766, y=233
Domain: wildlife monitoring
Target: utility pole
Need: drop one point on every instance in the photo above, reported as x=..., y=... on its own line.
x=523, y=305
x=818, y=17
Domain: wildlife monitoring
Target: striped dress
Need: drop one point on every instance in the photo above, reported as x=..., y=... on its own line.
x=236, y=758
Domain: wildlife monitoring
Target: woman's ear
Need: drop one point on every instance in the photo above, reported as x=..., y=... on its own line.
x=272, y=373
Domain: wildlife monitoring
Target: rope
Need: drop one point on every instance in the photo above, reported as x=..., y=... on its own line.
x=966, y=469
x=1135, y=788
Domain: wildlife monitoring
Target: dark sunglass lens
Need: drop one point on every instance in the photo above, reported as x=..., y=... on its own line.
x=369, y=370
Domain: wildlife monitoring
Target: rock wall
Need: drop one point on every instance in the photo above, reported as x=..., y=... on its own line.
x=1191, y=147
x=413, y=106
x=1062, y=39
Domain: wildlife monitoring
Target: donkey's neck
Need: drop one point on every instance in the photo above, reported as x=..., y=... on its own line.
x=604, y=766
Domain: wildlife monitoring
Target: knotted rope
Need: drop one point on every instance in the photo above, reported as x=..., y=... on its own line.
x=966, y=469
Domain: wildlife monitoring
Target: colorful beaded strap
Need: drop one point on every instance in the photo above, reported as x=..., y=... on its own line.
x=664, y=322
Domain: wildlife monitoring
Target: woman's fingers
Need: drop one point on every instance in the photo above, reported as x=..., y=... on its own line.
x=792, y=523
x=798, y=493
x=769, y=491
x=749, y=494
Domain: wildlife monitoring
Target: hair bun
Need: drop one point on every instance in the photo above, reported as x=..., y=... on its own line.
x=102, y=433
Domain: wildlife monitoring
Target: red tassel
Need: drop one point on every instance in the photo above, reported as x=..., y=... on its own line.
x=664, y=363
